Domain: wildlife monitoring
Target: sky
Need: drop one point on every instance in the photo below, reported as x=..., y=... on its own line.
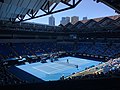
x=86, y=8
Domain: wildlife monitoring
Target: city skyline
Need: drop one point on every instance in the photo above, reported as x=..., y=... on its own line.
x=89, y=9
x=72, y=20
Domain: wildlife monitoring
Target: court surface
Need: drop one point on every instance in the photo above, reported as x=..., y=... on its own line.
x=54, y=70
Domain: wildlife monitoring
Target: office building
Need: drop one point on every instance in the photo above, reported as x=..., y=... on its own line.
x=65, y=20
x=84, y=18
x=74, y=19
x=52, y=21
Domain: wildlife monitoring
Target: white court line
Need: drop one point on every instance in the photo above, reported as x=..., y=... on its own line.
x=50, y=65
x=40, y=70
x=76, y=62
x=63, y=69
x=57, y=69
x=53, y=67
x=51, y=72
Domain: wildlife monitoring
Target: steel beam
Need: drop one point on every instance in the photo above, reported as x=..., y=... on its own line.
x=49, y=10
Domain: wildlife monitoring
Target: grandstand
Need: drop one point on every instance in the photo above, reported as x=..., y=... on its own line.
x=61, y=57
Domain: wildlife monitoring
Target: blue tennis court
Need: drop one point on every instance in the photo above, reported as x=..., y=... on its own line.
x=54, y=70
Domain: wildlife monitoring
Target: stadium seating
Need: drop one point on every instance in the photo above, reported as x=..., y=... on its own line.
x=21, y=49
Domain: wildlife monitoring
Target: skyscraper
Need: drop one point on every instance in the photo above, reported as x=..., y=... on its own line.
x=74, y=19
x=65, y=20
x=84, y=18
x=62, y=21
x=52, y=21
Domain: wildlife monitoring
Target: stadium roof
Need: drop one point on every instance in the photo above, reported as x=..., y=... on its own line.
x=102, y=22
x=16, y=10
x=115, y=4
x=100, y=18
